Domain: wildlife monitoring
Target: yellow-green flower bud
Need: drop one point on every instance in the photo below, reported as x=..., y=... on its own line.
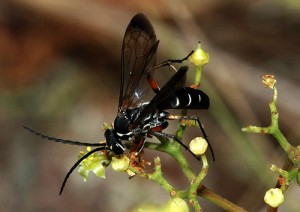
x=274, y=197
x=120, y=164
x=198, y=145
x=176, y=205
x=199, y=57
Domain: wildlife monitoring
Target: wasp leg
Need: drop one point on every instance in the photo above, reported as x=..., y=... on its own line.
x=140, y=145
x=153, y=84
x=197, y=120
x=165, y=135
x=170, y=62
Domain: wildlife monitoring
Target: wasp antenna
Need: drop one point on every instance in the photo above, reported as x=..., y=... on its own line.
x=76, y=164
x=59, y=140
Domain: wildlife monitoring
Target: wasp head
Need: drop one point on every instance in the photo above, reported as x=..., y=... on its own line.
x=113, y=141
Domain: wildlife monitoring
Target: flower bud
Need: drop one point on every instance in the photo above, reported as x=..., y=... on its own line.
x=268, y=81
x=274, y=197
x=176, y=205
x=198, y=145
x=199, y=57
x=120, y=164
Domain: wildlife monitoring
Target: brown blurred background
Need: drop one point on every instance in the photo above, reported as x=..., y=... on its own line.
x=59, y=65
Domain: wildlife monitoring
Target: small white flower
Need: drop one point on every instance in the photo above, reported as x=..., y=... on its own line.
x=198, y=146
x=274, y=197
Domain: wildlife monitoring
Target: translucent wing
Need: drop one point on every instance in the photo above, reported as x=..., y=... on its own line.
x=166, y=93
x=138, y=56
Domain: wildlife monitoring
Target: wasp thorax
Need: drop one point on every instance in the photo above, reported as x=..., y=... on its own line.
x=121, y=124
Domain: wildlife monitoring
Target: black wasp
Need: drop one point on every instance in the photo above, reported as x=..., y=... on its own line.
x=137, y=119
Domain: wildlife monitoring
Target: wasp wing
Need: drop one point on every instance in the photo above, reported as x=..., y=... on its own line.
x=138, y=56
x=166, y=93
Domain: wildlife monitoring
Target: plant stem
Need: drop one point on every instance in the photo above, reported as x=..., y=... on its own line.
x=156, y=176
x=196, y=182
x=174, y=150
x=204, y=192
x=274, y=130
x=198, y=75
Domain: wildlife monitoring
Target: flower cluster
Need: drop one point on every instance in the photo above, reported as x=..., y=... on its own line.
x=95, y=163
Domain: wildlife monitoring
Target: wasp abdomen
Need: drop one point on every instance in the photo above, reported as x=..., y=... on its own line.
x=186, y=98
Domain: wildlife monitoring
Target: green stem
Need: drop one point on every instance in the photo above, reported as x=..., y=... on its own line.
x=204, y=192
x=184, y=165
x=156, y=176
x=174, y=150
x=196, y=183
x=274, y=130
x=198, y=75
